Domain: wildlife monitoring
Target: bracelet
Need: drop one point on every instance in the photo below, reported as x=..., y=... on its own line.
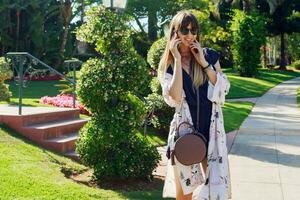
x=208, y=66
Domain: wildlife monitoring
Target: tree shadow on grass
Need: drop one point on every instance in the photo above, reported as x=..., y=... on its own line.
x=133, y=189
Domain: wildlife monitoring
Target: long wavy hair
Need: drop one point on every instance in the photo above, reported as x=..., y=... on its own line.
x=181, y=19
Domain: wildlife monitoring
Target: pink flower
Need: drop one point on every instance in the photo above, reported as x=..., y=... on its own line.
x=64, y=100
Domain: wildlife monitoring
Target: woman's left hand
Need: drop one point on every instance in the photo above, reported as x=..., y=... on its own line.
x=197, y=51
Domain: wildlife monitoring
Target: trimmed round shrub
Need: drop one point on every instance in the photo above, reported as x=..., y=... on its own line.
x=5, y=73
x=248, y=36
x=155, y=52
x=107, y=86
x=113, y=149
x=296, y=64
x=162, y=114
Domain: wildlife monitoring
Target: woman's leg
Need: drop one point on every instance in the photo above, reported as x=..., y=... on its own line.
x=204, y=165
x=179, y=192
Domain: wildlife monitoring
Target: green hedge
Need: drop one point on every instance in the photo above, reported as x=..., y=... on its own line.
x=155, y=52
x=5, y=73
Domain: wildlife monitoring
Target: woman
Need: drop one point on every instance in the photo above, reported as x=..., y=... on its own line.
x=184, y=68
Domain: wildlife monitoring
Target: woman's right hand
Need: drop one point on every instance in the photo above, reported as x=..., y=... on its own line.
x=174, y=47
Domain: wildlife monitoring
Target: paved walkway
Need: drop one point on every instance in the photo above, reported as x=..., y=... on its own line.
x=253, y=100
x=265, y=156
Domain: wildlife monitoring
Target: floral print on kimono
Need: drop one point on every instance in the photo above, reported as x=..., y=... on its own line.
x=215, y=185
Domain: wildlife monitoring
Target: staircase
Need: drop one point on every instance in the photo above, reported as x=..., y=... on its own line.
x=55, y=130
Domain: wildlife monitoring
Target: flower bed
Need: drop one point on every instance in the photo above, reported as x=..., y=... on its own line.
x=65, y=101
x=39, y=78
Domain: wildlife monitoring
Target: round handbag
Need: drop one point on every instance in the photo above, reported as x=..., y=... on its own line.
x=190, y=148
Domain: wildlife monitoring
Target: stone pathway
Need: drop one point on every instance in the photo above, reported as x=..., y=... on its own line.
x=265, y=157
x=253, y=100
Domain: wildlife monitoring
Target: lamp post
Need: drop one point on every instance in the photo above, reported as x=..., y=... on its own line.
x=115, y=4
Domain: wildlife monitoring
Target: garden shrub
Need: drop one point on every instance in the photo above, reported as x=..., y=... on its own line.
x=248, y=36
x=214, y=36
x=5, y=73
x=155, y=52
x=162, y=113
x=112, y=148
x=107, y=86
x=296, y=64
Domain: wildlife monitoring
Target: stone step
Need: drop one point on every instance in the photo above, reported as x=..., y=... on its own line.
x=38, y=118
x=62, y=144
x=73, y=155
x=18, y=121
x=45, y=131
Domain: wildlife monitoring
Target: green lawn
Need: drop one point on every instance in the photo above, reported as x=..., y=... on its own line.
x=235, y=113
x=28, y=172
x=33, y=91
x=242, y=87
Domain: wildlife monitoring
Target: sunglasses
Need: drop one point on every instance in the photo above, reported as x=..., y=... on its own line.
x=185, y=31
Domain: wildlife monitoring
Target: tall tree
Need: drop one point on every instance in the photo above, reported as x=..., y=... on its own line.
x=66, y=14
x=246, y=6
x=284, y=18
x=157, y=10
x=19, y=7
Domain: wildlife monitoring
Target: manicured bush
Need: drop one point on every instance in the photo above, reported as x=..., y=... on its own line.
x=107, y=86
x=296, y=64
x=160, y=113
x=248, y=36
x=5, y=73
x=155, y=52
x=116, y=154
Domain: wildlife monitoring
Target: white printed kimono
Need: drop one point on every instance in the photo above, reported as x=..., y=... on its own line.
x=215, y=185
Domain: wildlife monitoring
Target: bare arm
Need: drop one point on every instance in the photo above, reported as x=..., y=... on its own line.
x=176, y=86
x=212, y=74
x=218, y=67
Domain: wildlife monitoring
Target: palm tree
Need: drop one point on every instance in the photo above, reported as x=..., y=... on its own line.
x=19, y=6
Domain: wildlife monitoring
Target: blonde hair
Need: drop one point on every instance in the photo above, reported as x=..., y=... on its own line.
x=181, y=19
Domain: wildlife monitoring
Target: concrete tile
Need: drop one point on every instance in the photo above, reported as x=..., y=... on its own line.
x=256, y=191
x=289, y=160
x=288, y=140
x=259, y=122
x=288, y=150
x=289, y=175
x=254, y=174
x=255, y=131
x=291, y=192
x=269, y=140
x=244, y=161
x=292, y=131
x=253, y=149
